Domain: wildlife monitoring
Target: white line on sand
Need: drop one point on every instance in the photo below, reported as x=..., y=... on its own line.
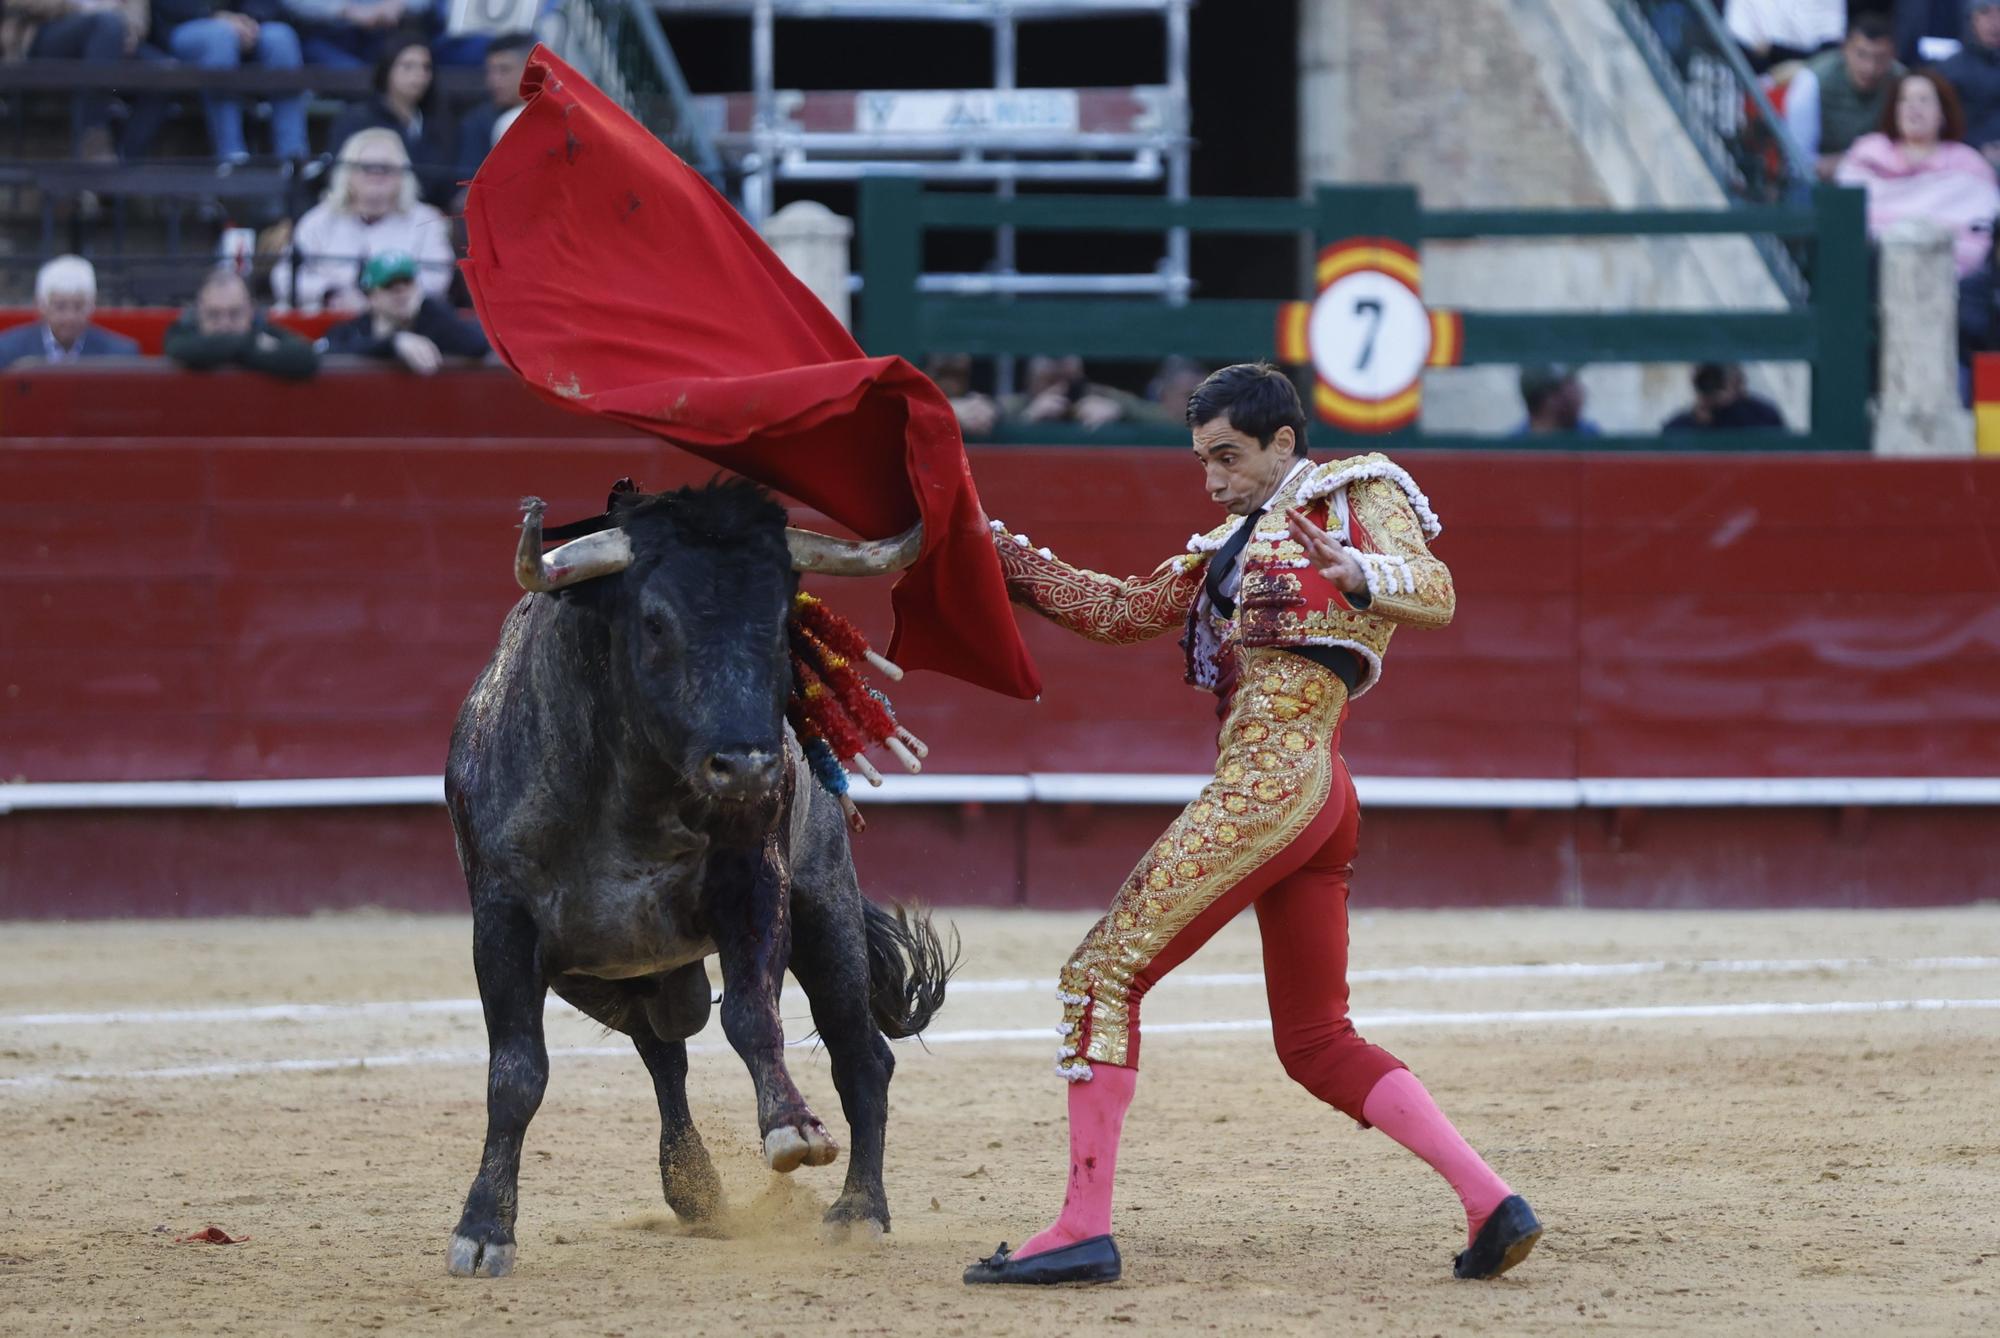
x=1538, y=1016
x=312, y=1012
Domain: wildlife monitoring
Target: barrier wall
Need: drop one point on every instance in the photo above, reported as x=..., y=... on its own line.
x=210, y=606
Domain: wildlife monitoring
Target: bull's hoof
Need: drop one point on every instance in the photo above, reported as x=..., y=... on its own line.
x=849, y=1230
x=786, y=1148
x=469, y=1258
x=856, y=1215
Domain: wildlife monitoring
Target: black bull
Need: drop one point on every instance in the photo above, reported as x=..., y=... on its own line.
x=627, y=801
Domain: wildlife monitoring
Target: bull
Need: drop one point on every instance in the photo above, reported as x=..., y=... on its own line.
x=628, y=800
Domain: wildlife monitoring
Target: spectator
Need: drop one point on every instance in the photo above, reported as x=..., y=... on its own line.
x=224, y=329
x=404, y=324
x=1975, y=73
x=952, y=373
x=347, y=34
x=1917, y=166
x=1839, y=96
x=204, y=34
x=1554, y=398
x=1059, y=392
x=1927, y=30
x=66, y=295
x=506, y=61
x=406, y=103
x=96, y=30
x=371, y=208
x=1721, y=403
x=1173, y=383
x=1774, y=31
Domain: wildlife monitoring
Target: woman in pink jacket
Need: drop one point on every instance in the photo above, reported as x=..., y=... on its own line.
x=1917, y=165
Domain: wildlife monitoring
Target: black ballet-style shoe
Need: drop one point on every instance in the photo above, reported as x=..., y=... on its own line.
x=1507, y=1238
x=1093, y=1260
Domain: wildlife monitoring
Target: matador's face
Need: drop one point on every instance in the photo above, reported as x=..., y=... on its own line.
x=1241, y=473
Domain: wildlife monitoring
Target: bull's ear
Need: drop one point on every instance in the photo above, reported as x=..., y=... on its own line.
x=829, y=556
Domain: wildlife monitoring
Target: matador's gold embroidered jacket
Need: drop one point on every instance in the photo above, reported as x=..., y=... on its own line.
x=1367, y=503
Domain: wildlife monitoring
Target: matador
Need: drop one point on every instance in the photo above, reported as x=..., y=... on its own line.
x=1285, y=611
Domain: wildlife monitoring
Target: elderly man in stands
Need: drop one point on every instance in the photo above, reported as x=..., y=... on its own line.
x=1975, y=73
x=93, y=30
x=224, y=329
x=66, y=295
x=1839, y=96
x=404, y=324
x=223, y=35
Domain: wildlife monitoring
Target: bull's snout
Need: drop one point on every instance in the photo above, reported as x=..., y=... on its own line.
x=736, y=775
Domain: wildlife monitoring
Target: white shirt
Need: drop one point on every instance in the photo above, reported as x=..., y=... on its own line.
x=335, y=244
x=1803, y=25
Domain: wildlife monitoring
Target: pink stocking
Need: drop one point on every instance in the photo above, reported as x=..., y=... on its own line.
x=1399, y=1106
x=1096, y=1118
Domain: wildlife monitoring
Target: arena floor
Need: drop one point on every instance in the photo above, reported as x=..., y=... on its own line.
x=1730, y=1123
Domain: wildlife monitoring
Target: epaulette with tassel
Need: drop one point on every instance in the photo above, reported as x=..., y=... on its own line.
x=837, y=714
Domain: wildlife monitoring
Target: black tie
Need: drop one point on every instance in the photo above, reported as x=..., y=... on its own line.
x=1224, y=562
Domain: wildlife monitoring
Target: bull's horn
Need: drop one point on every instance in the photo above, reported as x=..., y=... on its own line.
x=854, y=557
x=598, y=554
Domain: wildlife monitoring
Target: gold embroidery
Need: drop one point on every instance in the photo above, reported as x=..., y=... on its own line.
x=1269, y=800
x=1103, y=608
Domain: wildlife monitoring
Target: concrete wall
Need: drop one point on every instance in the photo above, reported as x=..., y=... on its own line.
x=1527, y=103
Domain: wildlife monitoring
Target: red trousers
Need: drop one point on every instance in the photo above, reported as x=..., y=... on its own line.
x=1288, y=849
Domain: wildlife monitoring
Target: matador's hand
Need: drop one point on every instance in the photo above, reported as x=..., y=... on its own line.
x=1335, y=561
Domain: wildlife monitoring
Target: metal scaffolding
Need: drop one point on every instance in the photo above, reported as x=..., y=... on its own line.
x=999, y=136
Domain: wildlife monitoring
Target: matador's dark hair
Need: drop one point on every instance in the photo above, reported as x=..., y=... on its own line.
x=1257, y=398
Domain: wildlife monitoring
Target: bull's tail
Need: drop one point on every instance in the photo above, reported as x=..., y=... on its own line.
x=908, y=965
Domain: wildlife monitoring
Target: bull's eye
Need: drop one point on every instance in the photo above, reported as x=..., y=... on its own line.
x=655, y=627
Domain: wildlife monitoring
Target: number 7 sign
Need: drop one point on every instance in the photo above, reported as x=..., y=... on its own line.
x=1368, y=336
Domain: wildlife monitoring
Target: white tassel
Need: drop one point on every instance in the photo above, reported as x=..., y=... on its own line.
x=886, y=667
x=904, y=755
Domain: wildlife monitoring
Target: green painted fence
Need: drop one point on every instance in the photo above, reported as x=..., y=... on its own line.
x=1831, y=330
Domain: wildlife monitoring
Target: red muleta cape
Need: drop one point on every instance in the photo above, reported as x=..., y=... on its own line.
x=617, y=282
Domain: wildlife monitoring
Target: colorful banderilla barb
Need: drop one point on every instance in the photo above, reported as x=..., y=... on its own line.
x=837, y=713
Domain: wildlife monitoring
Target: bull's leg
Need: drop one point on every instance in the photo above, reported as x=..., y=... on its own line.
x=511, y=989
x=676, y=1013
x=747, y=901
x=830, y=959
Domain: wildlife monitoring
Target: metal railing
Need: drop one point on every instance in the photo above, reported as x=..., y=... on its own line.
x=898, y=315
x=620, y=46
x=1727, y=113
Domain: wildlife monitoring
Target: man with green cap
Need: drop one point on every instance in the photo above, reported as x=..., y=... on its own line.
x=403, y=323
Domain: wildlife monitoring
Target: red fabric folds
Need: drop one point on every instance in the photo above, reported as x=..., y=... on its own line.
x=617, y=282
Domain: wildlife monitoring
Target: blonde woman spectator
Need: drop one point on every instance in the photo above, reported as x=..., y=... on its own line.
x=371, y=208
x=1917, y=165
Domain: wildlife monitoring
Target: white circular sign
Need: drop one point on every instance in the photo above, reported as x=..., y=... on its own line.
x=1369, y=335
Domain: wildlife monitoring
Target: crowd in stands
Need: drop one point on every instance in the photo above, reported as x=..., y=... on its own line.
x=1904, y=102
x=398, y=321
x=391, y=165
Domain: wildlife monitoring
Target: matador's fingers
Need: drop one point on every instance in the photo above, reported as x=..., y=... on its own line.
x=1311, y=536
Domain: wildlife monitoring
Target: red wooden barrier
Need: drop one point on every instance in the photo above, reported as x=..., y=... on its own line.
x=180, y=603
